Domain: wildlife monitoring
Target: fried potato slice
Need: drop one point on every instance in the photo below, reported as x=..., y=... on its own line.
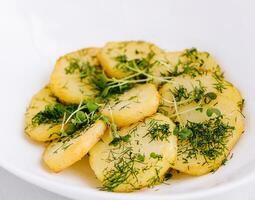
x=133, y=105
x=64, y=152
x=70, y=79
x=202, y=161
x=139, y=158
x=192, y=62
x=42, y=132
x=188, y=101
x=114, y=57
x=184, y=90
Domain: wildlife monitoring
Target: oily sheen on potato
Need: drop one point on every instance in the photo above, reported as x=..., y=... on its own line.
x=64, y=152
x=140, y=158
x=133, y=105
x=40, y=132
x=70, y=79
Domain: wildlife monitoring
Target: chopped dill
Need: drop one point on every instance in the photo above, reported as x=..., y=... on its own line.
x=220, y=84
x=180, y=93
x=142, y=63
x=155, y=179
x=193, y=58
x=84, y=69
x=190, y=63
x=185, y=70
x=197, y=94
x=158, y=131
x=123, y=169
x=208, y=138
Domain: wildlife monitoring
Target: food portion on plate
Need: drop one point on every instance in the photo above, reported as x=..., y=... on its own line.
x=70, y=80
x=138, y=112
x=139, y=157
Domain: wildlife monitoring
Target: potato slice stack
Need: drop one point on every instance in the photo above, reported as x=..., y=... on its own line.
x=137, y=111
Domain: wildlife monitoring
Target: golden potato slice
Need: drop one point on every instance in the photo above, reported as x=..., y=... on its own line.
x=133, y=105
x=184, y=90
x=206, y=151
x=192, y=62
x=139, y=158
x=114, y=57
x=64, y=152
x=187, y=101
x=41, y=132
x=70, y=79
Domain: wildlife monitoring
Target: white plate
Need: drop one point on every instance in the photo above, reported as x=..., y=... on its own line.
x=34, y=33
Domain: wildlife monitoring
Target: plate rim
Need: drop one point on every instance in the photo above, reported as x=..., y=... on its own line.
x=58, y=188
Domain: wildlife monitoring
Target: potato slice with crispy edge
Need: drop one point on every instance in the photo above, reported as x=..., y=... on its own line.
x=133, y=105
x=227, y=102
x=66, y=82
x=137, y=161
x=114, y=54
x=42, y=132
x=64, y=152
x=200, y=164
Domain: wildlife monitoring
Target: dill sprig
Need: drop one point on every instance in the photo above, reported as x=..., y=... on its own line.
x=220, y=84
x=208, y=138
x=154, y=180
x=185, y=70
x=124, y=169
x=158, y=130
x=198, y=94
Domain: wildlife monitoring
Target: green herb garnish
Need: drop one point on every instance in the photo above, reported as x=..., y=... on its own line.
x=85, y=69
x=156, y=156
x=123, y=169
x=158, y=131
x=208, y=138
x=53, y=113
x=211, y=111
